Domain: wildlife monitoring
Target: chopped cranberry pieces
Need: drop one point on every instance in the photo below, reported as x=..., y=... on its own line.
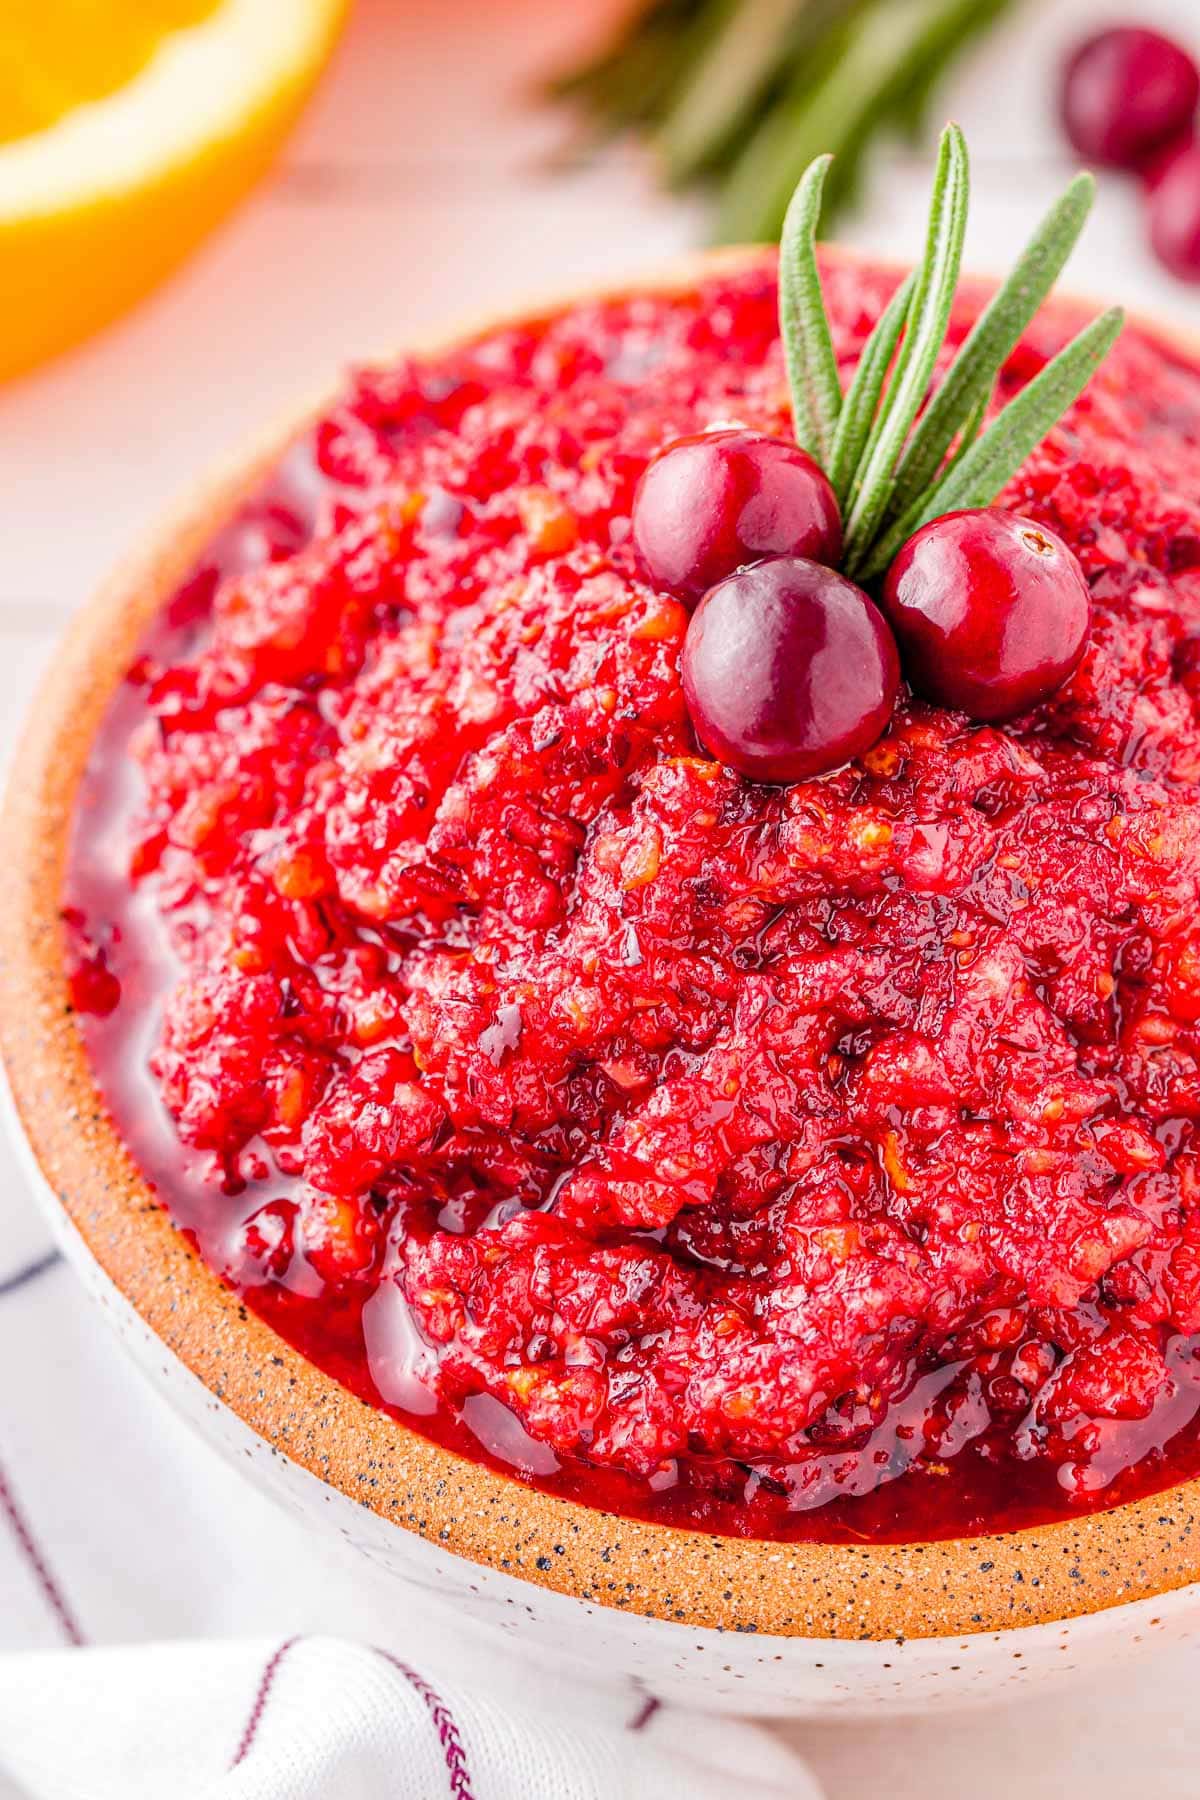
x=805, y=1161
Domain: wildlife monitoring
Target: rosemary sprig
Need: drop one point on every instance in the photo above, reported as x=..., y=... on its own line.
x=976, y=476
x=862, y=399
x=993, y=339
x=717, y=100
x=837, y=102
x=803, y=323
x=925, y=330
x=896, y=454
x=738, y=96
x=970, y=430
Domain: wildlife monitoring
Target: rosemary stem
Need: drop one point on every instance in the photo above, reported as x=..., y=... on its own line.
x=807, y=342
x=924, y=334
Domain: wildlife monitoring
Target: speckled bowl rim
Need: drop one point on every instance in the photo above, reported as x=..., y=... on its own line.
x=880, y=1592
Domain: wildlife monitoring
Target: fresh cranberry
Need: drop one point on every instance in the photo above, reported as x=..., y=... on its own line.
x=708, y=504
x=788, y=670
x=1160, y=162
x=992, y=612
x=1174, y=207
x=1125, y=92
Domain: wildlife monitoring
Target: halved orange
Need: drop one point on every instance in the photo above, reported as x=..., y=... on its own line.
x=128, y=128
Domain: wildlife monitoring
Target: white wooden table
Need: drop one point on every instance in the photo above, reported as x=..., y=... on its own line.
x=418, y=189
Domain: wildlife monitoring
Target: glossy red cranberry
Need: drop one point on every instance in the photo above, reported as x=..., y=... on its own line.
x=1174, y=210
x=707, y=505
x=992, y=612
x=788, y=670
x=1125, y=92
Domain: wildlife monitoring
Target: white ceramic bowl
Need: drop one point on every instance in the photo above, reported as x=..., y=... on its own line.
x=739, y=1625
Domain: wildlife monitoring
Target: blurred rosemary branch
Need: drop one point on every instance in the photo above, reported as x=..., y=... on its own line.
x=741, y=95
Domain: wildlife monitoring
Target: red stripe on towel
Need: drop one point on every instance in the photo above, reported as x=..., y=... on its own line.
x=457, y=1772
x=644, y=1713
x=261, y=1695
x=22, y=1277
x=28, y=1545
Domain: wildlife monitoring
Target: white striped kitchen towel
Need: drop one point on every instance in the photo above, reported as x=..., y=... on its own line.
x=167, y=1633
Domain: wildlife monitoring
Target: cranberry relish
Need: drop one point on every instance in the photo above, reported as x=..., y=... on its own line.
x=699, y=1149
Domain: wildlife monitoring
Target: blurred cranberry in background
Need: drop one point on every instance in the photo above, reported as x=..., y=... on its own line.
x=1160, y=161
x=1130, y=99
x=1126, y=93
x=1174, y=209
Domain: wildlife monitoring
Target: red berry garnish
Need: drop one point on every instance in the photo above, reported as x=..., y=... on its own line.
x=707, y=505
x=1174, y=208
x=992, y=612
x=1127, y=91
x=788, y=670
